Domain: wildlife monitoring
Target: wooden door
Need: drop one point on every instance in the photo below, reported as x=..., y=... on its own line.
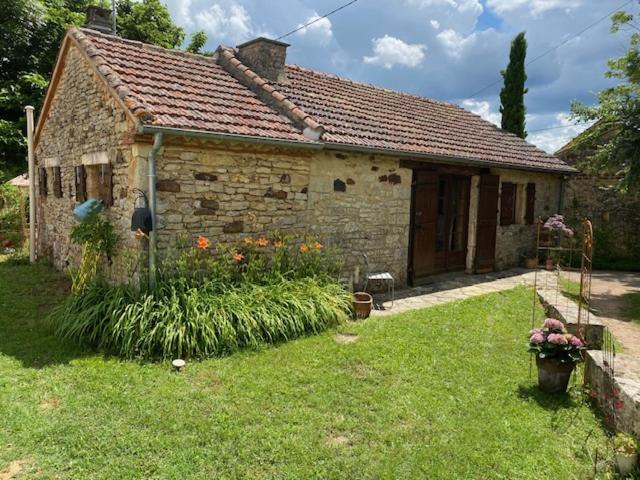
x=487, y=223
x=424, y=223
x=439, y=223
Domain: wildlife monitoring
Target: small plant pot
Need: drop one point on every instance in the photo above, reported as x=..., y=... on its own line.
x=626, y=463
x=553, y=376
x=548, y=264
x=531, y=262
x=362, y=304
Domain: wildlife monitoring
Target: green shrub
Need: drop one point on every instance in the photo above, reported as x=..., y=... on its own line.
x=10, y=221
x=213, y=301
x=177, y=320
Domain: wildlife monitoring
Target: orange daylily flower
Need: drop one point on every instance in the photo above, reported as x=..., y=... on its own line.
x=304, y=248
x=248, y=240
x=238, y=257
x=203, y=242
x=277, y=243
x=317, y=245
x=262, y=242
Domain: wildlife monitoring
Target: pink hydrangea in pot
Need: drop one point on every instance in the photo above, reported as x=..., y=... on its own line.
x=557, y=353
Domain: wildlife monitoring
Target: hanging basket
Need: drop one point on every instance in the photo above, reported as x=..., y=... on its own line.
x=362, y=304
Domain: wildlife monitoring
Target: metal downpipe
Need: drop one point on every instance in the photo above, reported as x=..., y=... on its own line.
x=153, y=235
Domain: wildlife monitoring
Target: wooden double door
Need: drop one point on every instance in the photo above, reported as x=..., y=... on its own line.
x=440, y=222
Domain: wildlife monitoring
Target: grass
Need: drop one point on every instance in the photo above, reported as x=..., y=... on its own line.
x=632, y=306
x=438, y=393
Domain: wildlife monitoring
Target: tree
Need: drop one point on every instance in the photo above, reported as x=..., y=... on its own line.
x=512, y=94
x=198, y=39
x=148, y=21
x=616, y=116
x=31, y=32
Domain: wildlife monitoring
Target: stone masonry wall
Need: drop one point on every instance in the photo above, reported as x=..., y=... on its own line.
x=358, y=203
x=514, y=242
x=84, y=119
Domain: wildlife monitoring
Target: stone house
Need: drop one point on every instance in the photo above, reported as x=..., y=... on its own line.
x=243, y=144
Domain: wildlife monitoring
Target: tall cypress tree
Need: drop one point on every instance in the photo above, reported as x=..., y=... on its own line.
x=512, y=94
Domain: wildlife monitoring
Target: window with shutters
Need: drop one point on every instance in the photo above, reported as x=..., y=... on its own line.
x=57, y=182
x=42, y=181
x=530, y=211
x=508, y=204
x=99, y=183
x=81, y=184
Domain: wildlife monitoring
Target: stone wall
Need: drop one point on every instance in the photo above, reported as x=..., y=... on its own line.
x=514, y=242
x=359, y=203
x=85, y=122
x=615, y=217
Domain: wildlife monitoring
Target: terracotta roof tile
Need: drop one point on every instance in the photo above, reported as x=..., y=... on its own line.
x=169, y=88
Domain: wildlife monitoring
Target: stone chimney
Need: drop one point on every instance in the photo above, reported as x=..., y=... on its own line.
x=98, y=19
x=265, y=57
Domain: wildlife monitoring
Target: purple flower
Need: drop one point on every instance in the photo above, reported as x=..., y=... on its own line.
x=553, y=324
x=556, y=222
x=576, y=342
x=557, y=339
x=537, y=338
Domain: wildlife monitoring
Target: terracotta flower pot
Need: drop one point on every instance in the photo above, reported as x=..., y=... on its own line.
x=362, y=304
x=553, y=376
x=549, y=264
x=626, y=463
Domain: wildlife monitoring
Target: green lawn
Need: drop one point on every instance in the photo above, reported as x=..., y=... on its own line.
x=438, y=393
x=632, y=306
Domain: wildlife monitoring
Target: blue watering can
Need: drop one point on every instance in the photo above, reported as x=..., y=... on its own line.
x=85, y=209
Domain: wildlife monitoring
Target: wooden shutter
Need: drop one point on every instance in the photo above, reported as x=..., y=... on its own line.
x=106, y=179
x=42, y=181
x=81, y=183
x=487, y=223
x=530, y=212
x=57, y=182
x=508, y=204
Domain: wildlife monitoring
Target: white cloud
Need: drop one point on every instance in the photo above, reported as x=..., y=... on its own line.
x=435, y=24
x=555, y=138
x=462, y=6
x=483, y=109
x=319, y=31
x=231, y=24
x=389, y=51
x=536, y=7
x=454, y=43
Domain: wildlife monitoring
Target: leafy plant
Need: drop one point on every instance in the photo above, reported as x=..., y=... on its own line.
x=176, y=320
x=209, y=300
x=625, y=444
x=98, y=240
x=553, y=341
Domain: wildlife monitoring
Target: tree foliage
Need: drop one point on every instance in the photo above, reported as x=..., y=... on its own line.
x=198, y=39
x=615, y=136
x=512, y=94
x=31, y=32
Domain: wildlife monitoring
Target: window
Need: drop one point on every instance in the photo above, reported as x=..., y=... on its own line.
x=508, y=204
x=529, y=216
x=57, y=182
x=42, y=181
x=99, y=183
x=81, y=184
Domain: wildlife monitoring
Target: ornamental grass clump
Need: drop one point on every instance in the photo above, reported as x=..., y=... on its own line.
x=211, y=300
x=553, y=342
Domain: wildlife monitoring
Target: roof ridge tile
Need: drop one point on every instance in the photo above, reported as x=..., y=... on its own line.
x=270, y=94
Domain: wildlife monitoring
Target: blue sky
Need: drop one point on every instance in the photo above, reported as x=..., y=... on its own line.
x=442, y=49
